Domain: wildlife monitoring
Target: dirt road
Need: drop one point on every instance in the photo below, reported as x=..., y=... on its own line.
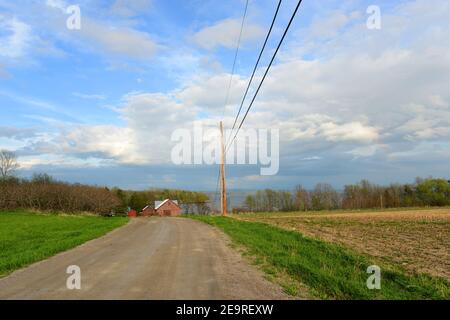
x=156, y=258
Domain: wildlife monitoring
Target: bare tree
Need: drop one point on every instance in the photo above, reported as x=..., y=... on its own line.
x=302, y=199
x=324, y=197
x=8, y=163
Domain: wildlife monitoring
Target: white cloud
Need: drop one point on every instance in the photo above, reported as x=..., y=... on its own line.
x=114, y=37
x=438, y=101
x=16, y=133
x=150, y=120
x=330, y=25
x=58, y=4
x=225, y=33
x=364, y=151
x=210, y=92
x=29, y=162
x=353, y=131
x=111, y=141
x=317, y=127
x=362, y=94
x=17, y=40
x=119, y=40
x=153, y=118
x=422, y=127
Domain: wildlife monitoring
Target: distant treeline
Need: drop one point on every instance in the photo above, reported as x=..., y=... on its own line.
x=190, y=201
x=363, y=195
x=42, y=192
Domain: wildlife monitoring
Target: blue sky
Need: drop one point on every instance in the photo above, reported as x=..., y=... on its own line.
x=98, y=105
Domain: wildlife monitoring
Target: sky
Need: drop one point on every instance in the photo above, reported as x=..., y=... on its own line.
x=99, y=105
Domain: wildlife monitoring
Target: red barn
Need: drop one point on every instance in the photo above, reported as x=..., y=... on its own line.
x=147, y=211
x=168, y=208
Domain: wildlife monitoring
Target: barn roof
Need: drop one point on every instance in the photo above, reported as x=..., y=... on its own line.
x=159, y=204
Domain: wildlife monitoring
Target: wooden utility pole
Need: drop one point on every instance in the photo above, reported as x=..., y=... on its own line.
x=223, y=193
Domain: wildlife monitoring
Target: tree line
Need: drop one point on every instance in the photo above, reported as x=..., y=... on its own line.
x=362, y=195
x=43, y=192
x=190, y=201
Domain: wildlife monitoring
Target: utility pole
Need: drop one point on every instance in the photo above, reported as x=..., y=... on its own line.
x=223, y=194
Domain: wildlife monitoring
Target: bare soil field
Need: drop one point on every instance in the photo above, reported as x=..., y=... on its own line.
x=415, y=240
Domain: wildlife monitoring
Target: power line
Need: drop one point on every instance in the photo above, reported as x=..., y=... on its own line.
x=267, y=71
x=235, y=57
x=231, y=80
x=256, y=66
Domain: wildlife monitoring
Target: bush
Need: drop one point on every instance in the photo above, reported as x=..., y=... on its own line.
x=434, y=192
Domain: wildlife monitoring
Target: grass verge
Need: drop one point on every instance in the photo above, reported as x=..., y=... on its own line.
x=329, y=270
x=27, y=237
x=416, y=241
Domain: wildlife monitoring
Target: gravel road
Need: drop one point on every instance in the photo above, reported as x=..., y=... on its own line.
x=149, y=258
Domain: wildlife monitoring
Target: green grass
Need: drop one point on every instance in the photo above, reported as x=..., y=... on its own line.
x=27, y=237
x=330, y=271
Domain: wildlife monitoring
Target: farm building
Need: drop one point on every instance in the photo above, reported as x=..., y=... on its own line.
x=132, y=213
x=162, y=208
x=147, y=211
